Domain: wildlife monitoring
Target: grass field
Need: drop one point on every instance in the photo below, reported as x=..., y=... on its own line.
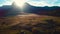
x=25, y=23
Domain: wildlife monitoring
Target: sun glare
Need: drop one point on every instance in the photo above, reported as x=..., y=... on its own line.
x=20, y=3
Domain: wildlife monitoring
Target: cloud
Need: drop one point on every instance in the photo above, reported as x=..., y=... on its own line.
x=44, y=2
x=5, y=2
x=34, y=2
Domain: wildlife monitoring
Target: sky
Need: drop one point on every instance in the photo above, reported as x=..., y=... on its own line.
x=5, y=2
x=34, y=2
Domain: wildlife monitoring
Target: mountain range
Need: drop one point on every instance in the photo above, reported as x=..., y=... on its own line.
x=12, y=10
x=51, y=11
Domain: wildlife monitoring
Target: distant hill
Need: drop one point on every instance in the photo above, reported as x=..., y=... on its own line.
x=12, y=10
x=52, y=11
x=9, y=10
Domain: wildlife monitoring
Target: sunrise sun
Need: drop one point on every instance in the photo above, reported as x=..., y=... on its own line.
x=20, y=3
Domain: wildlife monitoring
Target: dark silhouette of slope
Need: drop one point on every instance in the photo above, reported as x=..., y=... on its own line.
x=52, y=11
x=9, y=10
x=12, y=10
x=4, y=10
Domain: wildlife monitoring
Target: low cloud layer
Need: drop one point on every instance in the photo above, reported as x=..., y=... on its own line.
x=34, y=2
x=5, y=2
x=44, y=2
